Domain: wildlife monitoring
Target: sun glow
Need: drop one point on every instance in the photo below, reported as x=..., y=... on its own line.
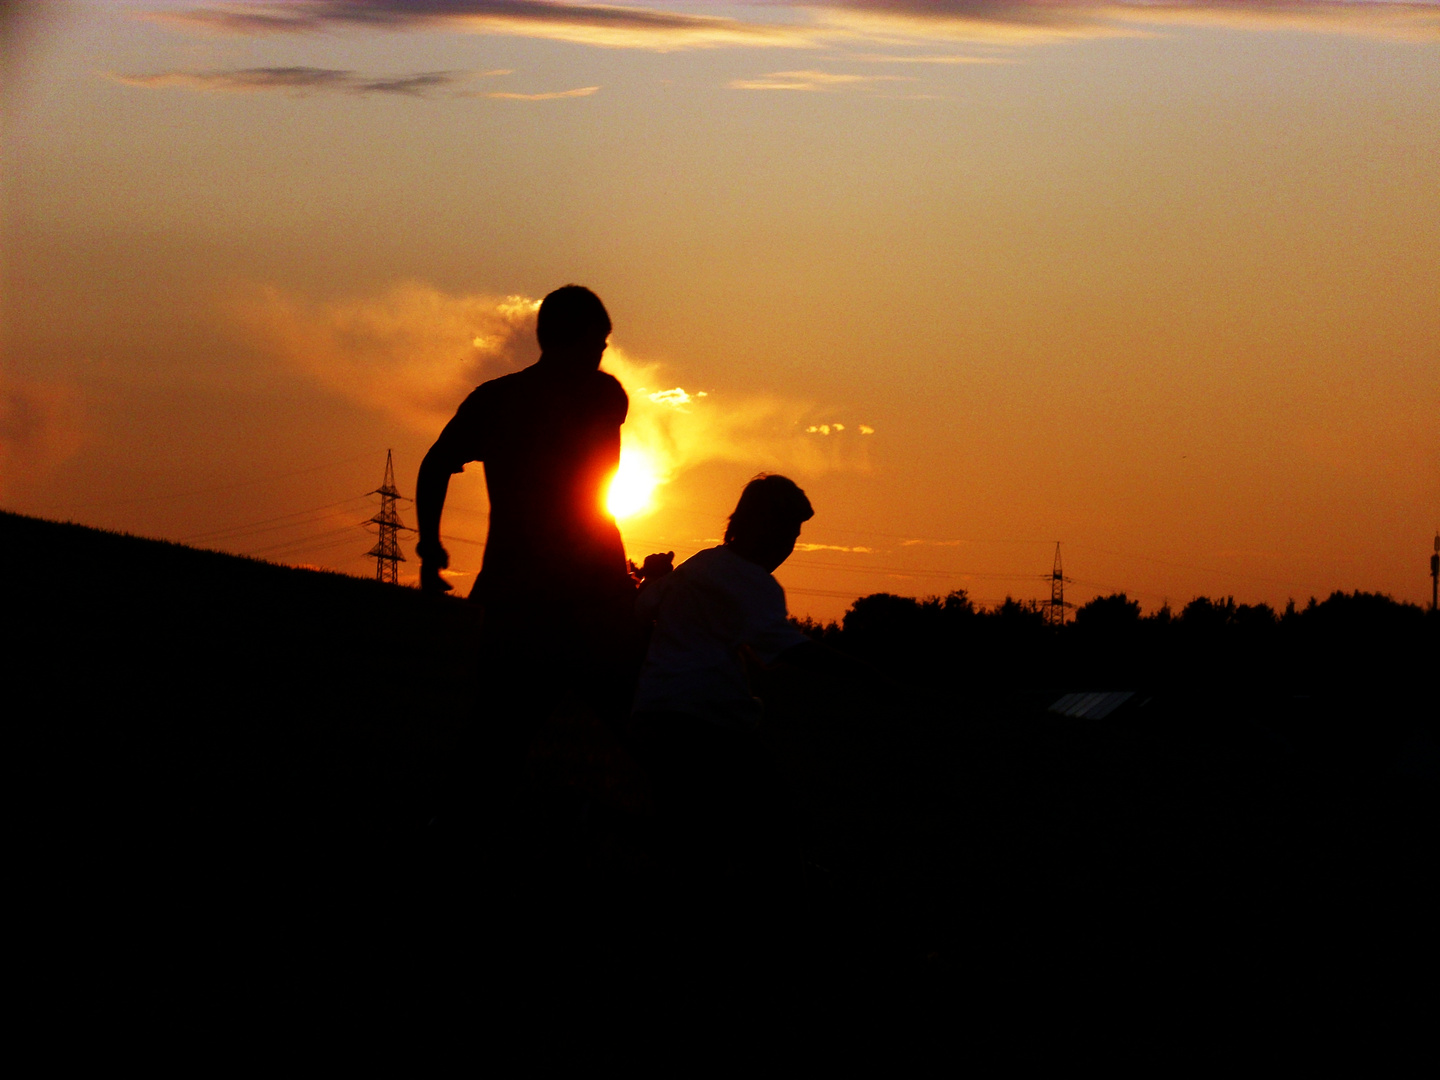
x=632, y=490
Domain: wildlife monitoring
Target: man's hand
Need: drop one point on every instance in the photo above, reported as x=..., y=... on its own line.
x=433, y=559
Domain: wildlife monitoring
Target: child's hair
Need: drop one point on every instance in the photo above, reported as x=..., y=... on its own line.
x=769, y=504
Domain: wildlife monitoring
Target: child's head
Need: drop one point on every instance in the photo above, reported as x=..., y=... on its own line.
x=767, y=519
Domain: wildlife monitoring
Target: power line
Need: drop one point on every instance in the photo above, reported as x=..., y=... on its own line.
x=252, y=527
x=1184, y=566
x=219, y=487
x=911, y=573
x=304, y=548
x=348, y=530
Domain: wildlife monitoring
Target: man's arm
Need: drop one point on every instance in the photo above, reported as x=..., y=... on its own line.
x=431, y=487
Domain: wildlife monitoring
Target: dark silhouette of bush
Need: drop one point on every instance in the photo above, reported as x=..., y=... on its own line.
x=1204, y=615
x=1114, y=614
x=1213, y=643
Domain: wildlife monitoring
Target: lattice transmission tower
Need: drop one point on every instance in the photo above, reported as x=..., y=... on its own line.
x=389, y=526
x=1055, y=607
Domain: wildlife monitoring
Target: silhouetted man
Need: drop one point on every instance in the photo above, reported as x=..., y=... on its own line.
x=557, y=594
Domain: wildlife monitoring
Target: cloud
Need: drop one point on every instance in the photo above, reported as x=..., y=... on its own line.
x=604, y=25
x=680, y=429
x=814, y=23
x=834, y=547
x=949, y=59
x=296, y=80
x=1024, y=22
x=1393, y=19
x=810, y=80
x=584, y=91
x=676, y=398
x=39, y=429
x=415, y=352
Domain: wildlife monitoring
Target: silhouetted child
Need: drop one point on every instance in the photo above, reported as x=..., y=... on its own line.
x=720, y=800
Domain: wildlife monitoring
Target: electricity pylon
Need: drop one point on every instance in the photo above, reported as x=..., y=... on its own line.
x=387, y=522
x=1055, y=607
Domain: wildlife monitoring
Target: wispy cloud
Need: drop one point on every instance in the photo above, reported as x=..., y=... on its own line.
x=949, y=59
x=606, y=25
x=414, y=352
x=802, y=24
x=1399, y=20
x=296, y=80
x=1022, y=22
x=810, y=80
x=583, y=91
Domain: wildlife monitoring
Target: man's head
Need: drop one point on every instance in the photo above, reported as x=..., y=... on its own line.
x=767, y=519
x=572, y=326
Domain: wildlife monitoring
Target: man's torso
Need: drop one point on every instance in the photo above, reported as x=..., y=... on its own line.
x=549, y=442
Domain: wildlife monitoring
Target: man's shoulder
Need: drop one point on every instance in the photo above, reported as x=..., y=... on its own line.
x=612, y=395
x=500, y=392
x=486, y=389
x=608, y=383
x=533, y=380
x=513, y=382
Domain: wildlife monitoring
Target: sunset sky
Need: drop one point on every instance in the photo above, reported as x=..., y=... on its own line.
x=1160, y=281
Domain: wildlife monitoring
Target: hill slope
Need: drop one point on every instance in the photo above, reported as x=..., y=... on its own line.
x=233, y=769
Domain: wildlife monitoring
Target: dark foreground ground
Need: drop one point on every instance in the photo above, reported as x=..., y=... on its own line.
x=232, y=784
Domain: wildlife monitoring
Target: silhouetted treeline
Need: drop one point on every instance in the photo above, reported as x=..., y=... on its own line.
x=1364, y=643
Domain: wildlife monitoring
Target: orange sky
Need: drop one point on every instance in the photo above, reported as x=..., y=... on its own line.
x=1161, y=282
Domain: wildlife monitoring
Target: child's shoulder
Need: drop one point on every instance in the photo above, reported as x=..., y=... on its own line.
x=715, y=560
x=720, y=565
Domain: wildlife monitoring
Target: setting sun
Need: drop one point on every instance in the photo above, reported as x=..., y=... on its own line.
x=633, y=487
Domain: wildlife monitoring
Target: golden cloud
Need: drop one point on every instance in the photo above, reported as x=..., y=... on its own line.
x=584, y=91
x=866, y=24
x=810, y=80
x=415, y=352
x=602, y=25
x=293, y=80
x=1025, y=22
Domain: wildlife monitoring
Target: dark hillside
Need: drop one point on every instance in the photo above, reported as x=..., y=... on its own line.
x=223, y=751
x=232, y=770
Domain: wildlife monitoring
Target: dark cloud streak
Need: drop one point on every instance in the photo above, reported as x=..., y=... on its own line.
x=1008, y=21
x=296, y=80
x=302, y=16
